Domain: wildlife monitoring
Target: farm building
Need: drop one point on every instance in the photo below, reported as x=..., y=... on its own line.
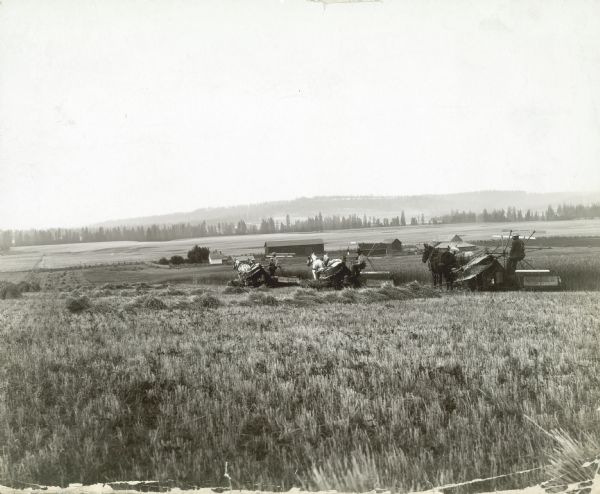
x=387, y=247
x=299, y=247
x=216, y=258
x=455, y=242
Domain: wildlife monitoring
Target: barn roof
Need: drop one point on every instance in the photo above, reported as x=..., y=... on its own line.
x=289, y=243
x=458, y=245
x=390, y=240
x=217, y=255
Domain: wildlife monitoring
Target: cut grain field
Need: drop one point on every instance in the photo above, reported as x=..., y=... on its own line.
x=579, y=268
x=402, y=388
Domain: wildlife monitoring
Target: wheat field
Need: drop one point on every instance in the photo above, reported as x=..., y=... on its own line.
x=402, y=388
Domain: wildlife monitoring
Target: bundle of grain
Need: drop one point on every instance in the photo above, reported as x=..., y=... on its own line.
x=77, y=303
x=234, y=290
x=146, y=302
x=9, y=290
x=257, y=298
x=207, y=301
x=303, y=297
x=348, y=296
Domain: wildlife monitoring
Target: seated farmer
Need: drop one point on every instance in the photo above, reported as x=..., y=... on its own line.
x=325, y=259
x=516, y=254
x=360, y=264
x=273, y=264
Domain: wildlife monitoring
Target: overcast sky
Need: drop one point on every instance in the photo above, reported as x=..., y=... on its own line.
x=112, y=109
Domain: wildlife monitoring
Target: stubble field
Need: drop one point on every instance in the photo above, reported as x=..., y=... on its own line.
x=401, y=388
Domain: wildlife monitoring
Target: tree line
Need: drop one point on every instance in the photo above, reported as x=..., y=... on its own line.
x=270, y=225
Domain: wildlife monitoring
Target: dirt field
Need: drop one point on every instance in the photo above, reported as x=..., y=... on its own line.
x=60, y=256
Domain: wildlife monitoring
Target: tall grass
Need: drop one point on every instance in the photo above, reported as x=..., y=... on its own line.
x=402, y=394
x=577, y=273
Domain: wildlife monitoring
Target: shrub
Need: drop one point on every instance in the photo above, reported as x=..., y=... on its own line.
x=77, y=303
x=176, y=260
x=163, y=261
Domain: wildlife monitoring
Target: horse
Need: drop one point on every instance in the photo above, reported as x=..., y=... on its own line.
x=432, y=256
x=317, y=265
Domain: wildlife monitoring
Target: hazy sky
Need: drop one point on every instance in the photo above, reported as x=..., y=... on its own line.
x=112, y=109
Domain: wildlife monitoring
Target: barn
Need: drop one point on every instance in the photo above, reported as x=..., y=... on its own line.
x=298, y=247
x=387, y=247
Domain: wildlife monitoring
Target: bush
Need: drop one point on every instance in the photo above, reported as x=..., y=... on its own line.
x=164, y=261
x=176, y=260
x=77, y=303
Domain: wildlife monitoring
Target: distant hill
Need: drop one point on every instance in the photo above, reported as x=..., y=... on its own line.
x=379, y=206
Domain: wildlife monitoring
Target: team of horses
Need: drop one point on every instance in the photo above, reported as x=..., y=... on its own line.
x=440, y=271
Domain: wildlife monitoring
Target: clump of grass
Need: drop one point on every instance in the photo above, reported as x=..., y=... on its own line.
x=77, y=303
x=572, y=460
x=356, y=472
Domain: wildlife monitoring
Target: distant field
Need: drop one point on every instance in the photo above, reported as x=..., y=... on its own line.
x=67, y=255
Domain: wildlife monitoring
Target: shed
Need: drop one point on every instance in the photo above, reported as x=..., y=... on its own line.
x=297, y=247
x=387, y=247
x=216, y=257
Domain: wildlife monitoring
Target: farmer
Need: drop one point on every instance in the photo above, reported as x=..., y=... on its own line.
x=516, y=254
x=447, y=262
x=273, y=264
x=360, y=264
x=325, y=259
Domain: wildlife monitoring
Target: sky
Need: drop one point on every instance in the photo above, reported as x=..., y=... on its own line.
x=121, y=108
